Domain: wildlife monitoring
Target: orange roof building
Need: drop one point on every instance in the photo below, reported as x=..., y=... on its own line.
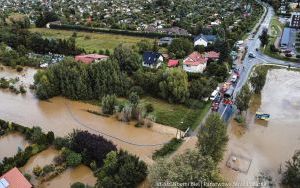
x=14, y=179
x=195, y=62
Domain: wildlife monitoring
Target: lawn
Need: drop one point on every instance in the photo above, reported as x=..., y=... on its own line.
x=177, y=116
x=91, y=41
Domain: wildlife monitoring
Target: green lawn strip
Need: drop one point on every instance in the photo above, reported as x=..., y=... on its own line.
x=174, y=115
x=91, y=41
x=168, y=148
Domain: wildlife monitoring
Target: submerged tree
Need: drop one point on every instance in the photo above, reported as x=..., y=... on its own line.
x=291, y=176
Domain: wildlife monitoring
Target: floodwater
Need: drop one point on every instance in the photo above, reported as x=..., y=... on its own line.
x=79, y=174
x=61, y=116
x=15, y=141
x=41, y=159
x=267, y=145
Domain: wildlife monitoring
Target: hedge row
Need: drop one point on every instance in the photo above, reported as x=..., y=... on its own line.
x=114, y=31
x=31, y=134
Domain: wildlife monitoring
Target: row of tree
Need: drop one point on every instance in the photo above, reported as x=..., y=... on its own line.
x=200, y=165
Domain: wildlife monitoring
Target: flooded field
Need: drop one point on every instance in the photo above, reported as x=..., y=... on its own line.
x=79, y=174
x=10, y=144
x=265, y=146
x=62, y=116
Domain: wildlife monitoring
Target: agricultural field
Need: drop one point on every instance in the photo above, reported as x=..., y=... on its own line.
x=91, y=41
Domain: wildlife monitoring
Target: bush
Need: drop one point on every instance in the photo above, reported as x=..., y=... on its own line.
x=22, y=89
x=168, y=148
x=149, y=108
x=60, y=142
x=240, y=119
x=37, y=171
x=48, y=168
x=137, y=89
x=73, y=159
x=27, y=176
x=19, y=68
x=108, y=104
x=77, y=185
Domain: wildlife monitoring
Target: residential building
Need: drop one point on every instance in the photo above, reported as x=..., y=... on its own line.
x=14, y=179
x=204, y=40
x=173, y=63
x=212, y=55
x=90, y=58
x=152, y=59
x=165, y=41
x=285, y=38
x=195, y=63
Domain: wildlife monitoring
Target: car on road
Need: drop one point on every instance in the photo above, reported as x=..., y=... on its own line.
x=252, y=55
x=234, y=78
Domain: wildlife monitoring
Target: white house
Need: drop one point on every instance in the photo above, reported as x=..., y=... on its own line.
x=204, y=40
x=195, y=63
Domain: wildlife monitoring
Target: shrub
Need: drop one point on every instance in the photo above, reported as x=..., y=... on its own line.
x=60, y=142
x=48, y=168
x=168, y=148
x=137, y=89
x=37, y=171
x=19, y=68
x=22, y=89
x=77, y=185
x=73, y=159
x=149, y=108
x=108, y=104
x=27, y=176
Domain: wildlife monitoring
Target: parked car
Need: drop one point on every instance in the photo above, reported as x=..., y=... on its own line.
x=252, y=55
x=234, y=78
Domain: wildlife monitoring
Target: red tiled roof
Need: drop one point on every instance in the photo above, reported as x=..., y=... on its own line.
x=16, y=179
x=173, y=62
x=195, y=59
x=212, y=55
x=89, y=58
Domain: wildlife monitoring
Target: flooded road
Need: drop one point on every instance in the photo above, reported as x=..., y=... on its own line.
x=15, y=141
x=61, y=116
x=78, y=174
x=267, y=145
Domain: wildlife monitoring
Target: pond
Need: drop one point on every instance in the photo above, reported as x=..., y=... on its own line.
x=79, y=174
x=267, y=145
x=10, y=144
x=61, y=116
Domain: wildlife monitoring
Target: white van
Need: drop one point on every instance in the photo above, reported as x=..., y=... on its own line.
x=214, y=95
x=234, y=78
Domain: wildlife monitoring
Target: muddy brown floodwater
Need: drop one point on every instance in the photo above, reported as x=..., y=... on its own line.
x=10, y=144
x=78, y=174
x=268, y=145
x=61, y=116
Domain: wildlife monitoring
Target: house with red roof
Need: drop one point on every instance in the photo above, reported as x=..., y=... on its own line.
x=90, y=58
x=14, y=179
x=195, y=63
x=212, y=55
x=173, y=63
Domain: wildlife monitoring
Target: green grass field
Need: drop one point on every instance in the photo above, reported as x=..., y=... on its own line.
x=91, y=41
x=175, y=115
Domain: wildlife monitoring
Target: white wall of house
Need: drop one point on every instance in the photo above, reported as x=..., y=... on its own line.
x=157, y=65
x=200, y=42
x=195, y=69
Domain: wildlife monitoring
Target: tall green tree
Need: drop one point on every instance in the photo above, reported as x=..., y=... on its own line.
x=174, y=85
x=180, y=47
x=258, y=79
x=291, y=176
x=243, y=98
x=188, y=167
x=212, y=138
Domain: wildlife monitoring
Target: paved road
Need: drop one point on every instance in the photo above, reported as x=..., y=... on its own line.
x=249, y=63
x=252, y=43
